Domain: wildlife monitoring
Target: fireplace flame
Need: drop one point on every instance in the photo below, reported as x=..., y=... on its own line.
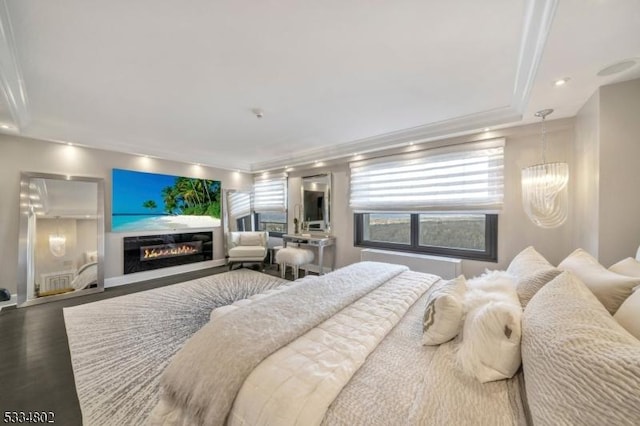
x=169, y=250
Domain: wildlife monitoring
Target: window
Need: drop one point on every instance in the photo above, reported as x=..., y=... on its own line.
x=466, y=236
x=387, y=228
x=270, y=204
x=243, y=223
x=274, y=222
x=439, y=201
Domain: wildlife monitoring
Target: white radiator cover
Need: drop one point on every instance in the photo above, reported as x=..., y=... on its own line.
x=444, y=267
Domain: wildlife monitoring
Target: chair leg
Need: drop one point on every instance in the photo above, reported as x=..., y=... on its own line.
x=283, y=269
x=296, y=269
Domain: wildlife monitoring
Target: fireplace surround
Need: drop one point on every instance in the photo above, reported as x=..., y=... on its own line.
x=145, y=253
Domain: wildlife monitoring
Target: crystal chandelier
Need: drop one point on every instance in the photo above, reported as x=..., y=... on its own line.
x=57, y=242
x=544, y=187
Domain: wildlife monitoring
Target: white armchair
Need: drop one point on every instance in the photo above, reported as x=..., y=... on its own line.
x=247, y=247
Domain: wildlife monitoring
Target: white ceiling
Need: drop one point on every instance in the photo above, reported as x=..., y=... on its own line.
x=179, y=80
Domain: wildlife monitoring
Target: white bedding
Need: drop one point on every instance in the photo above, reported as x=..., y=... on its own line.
x=296, y=384
x=87, y=275
x=362, y=365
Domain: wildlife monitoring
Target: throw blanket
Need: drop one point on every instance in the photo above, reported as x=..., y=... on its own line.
x=296, y=384
x=201, y=383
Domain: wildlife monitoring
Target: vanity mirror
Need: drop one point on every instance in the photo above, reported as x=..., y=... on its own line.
x=316, y=202
x=61, y=237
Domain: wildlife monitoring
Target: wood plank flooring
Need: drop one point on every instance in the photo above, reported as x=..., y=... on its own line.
x=35, y=364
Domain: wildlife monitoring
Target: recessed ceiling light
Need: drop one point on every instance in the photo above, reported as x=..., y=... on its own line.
x=561, y=82
x=69, y=144
x=486, y=129
x=618, y=67
x=4, y=126
x=410, y=143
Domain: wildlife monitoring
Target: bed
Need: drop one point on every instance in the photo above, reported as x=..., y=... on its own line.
x=86, y=276
x=339, y=349
x=346, y=349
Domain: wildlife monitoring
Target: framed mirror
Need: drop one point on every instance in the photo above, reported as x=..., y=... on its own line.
x=316, y=202
x=61, y=237
x=238, y=209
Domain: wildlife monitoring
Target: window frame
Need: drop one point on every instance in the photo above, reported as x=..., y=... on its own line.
x=490, y=254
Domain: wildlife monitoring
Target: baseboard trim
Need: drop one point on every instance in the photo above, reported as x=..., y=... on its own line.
x=159, y=273
x=11, y=302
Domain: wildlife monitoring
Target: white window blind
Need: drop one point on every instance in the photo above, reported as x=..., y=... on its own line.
x=270, y=194
x=465, y=177
x=239, y=204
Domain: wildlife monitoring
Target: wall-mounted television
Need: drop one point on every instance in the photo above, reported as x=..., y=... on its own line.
x=144, y=201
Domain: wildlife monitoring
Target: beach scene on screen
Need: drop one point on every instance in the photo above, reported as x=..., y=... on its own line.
x=144, y=201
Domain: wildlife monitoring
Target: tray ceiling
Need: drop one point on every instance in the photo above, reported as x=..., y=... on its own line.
x=181, y=80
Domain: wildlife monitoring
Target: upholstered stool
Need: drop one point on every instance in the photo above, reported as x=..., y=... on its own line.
x=274, y=251
x=294, y=257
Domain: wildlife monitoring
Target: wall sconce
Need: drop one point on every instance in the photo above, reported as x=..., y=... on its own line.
x=544, y=187
x=57, y=242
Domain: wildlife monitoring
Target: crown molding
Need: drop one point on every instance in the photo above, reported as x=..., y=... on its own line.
x=420, y=134
x=537, y=22
x=537, y=19
x=12, y=87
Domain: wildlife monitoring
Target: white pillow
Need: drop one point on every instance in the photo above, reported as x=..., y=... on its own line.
x=580, y=366
x=90, y=256
x=629, y=267
x=251, y=239
x=610, y=288
x=628, y=315
x=490, y=346
x=494, y=281
x=443, y=311
x=492, y=286
x=532, y=272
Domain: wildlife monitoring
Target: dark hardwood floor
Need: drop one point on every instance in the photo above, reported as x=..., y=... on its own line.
x=35, y=365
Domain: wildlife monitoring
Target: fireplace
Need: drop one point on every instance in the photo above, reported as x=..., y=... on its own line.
x=161, y=251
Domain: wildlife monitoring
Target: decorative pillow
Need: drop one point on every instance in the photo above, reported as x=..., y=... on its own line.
x=444, y=311
x=500, y=282
x=629, y=267
x=580, y=366
x=90, y=256
x=490, y=346
x=628, y=315
x=251, y=239
x=610, y=288
x=532, y=271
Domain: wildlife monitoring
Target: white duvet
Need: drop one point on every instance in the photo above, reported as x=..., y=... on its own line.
x=296, y=385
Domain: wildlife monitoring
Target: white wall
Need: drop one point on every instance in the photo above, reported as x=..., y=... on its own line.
x=607, y=197
x=515, y=230
x=29, y=155
x=586, y=176
x=619, y=202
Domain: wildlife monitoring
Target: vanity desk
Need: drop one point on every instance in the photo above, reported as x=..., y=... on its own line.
x=320, y=241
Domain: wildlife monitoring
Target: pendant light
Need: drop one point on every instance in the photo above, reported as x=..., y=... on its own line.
x=544, y=187
x=57, y=241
